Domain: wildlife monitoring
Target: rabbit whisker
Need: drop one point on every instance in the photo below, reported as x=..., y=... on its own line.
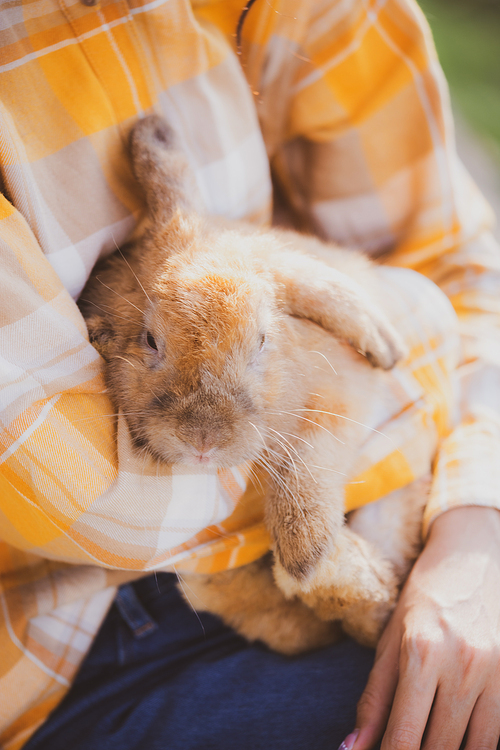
x=270, y=429
x=295, y=451
x=118, y=356
x=273, y=456
x=275, y=462
x=283, y=15
x=179, y=578
x=255, y=477
x=259, y=433
x=144, y=466
x=293, y=414
x=271, y=470
x=106, y=416
x=134, y=273
x=290, y=434
x=314, y=466
x=108, y=311
x=348, y=419
x=119, y=295
x=268, y=465
x=289, y=455
x=297, y=483
x=313, y=351
x=326, y=468
x=288, y=493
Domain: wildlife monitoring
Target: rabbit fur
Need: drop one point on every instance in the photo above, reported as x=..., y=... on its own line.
x=256, y=345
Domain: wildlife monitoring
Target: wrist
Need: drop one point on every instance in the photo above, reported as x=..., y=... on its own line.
x=464, y=520
x=465, y=530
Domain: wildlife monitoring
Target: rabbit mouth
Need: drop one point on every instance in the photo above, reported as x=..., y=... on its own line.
x=200, y=455
x=217, y=457
x=205, y=441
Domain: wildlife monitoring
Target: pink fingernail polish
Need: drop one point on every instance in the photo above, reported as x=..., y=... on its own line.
x=349, y=741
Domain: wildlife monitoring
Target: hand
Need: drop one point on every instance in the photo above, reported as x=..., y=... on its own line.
x=437, y=669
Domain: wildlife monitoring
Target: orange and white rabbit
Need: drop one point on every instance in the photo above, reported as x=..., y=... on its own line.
x=230, y=363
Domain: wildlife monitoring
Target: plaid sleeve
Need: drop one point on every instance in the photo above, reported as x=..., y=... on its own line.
x=369, y=160
x=69, y=478
x=63, y=493
x=69, y=482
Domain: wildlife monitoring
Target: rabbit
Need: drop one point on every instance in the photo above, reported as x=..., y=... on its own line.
x=262, y=346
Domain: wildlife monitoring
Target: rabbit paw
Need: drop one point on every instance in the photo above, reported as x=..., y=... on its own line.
x=353, y=585
x=379, y=341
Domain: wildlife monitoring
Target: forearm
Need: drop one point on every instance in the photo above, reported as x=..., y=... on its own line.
x=438, y=662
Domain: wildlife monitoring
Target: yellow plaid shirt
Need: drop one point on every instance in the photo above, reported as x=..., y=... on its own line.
x=345, y=99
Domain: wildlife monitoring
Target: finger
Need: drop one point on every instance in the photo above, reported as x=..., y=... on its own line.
x=484, y=725
x=410, y=710
x=449, y=718
x=375, y=703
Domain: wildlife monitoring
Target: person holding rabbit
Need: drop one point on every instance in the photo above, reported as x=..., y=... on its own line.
x=345, y=105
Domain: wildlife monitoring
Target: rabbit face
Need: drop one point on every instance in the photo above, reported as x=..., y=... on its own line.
x=208, y=342
x=196, y=353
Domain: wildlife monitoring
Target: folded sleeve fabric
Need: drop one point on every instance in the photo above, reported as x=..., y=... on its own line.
x=369, y=160
x=347, y=103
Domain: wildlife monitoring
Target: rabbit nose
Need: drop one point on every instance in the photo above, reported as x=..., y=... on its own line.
x=201, y=443
x=203, y=450
x=204, y=445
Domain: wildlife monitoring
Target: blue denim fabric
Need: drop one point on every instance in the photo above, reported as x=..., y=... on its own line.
x=160, y=677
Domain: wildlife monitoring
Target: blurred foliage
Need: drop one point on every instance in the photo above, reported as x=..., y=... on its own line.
x=467, y=36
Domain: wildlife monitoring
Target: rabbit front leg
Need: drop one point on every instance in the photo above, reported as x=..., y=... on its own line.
x=333, y=570
x=313, y=290
x=354, y=585
x=304, y=505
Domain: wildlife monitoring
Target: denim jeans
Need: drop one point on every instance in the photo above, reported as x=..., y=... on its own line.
x=161, y=677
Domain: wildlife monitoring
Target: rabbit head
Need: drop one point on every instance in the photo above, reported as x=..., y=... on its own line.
x=195, y=341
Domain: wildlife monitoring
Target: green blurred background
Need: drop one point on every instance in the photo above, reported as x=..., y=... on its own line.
x=467, y=36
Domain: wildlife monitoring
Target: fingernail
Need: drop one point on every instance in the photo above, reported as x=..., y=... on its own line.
x=349, y=741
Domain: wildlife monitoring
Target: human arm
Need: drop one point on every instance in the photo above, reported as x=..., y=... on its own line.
x=437, y=665
x=73, y=79
x=370, y=161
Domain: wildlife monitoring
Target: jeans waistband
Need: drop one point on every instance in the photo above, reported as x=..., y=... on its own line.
x=134, y=612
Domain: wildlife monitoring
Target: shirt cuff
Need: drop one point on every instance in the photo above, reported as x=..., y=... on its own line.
x=467, y=470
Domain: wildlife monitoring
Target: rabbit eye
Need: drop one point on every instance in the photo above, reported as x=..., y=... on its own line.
x=262, y=340
x=150, y=339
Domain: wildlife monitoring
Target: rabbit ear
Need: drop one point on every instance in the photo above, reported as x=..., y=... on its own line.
x=162, y=170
